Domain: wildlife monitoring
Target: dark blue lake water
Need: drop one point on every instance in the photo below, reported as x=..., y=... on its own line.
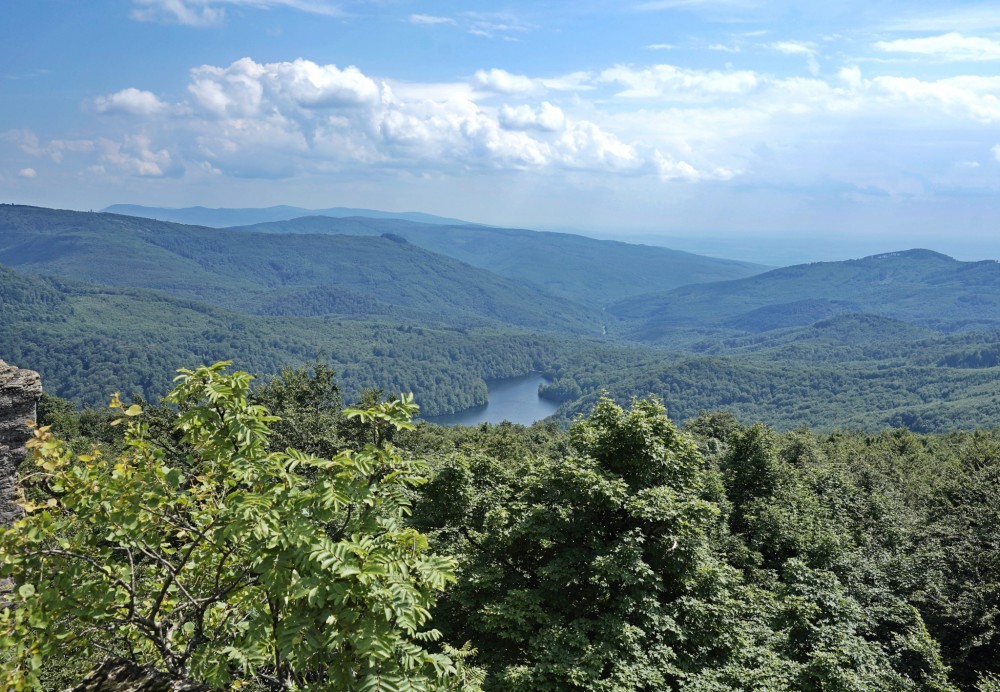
x=515, y=400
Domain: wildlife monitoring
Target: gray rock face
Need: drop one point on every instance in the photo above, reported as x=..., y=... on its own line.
x=19, y=392
x=124, y=676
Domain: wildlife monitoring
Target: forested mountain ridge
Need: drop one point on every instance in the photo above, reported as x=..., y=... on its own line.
x=586, y=270
x=920, y=287
x=88, y=341
x=272, y=274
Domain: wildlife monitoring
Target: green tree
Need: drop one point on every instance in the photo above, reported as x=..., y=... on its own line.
x=592, y=571
x=308, y=405
x=226, y=562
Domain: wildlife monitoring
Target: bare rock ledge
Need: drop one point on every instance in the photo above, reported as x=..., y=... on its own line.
x=19, y=393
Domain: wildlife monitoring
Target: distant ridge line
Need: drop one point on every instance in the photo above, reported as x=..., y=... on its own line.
x=223, y=217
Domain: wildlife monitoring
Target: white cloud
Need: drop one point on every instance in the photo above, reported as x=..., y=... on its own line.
x=667, y=82
x=996, y=151
x=272, y=120
x=805, y=48
x=546, y=117
x=964, y=96
x=503, y=82
x=975, y=18
x=300, y=118
x=951, y=47
x=247, y=89
x=499, y=81
x=210, y=12
x=130, y=101
x=27, y=173
x=134, y=156
x=28, y=142
x=493, y=24
x=793, y=47
x=657, y=5
x=176, y=11
x=429, y=19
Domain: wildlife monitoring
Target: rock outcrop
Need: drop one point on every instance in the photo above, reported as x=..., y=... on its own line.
x=124, y=676
x=19, y=393
x=118, y=675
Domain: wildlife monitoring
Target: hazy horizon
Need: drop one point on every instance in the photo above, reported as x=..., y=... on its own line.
x=693, y=119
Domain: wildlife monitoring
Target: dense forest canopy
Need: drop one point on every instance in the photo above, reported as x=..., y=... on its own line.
x=624, y=553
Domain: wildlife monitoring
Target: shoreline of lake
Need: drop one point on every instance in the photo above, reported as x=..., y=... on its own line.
x=513, y=399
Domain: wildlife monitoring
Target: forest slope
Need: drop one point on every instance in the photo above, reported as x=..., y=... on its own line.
x=87, y=341
x=277, y=274
x=920, y=287
x=582, y=269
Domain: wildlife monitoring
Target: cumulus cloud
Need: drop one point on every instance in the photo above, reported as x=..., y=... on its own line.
x=130, y=101
x=135, y=156
x=247, y=88
x=281, y=119
x=664, y=82
x=964, y=96
x=27, y=173
x=503, y=82
x=996, y=151
x=546, y=117
x=210, y=12
x=301, y=118
x=950, y=47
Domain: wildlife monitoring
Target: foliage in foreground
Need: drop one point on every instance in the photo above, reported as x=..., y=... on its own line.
x=628, y=554
x=216, y=560
x=632, y=563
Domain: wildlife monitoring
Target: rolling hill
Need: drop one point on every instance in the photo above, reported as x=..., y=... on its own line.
x=586, y=270
x=278, y=274
x=919, y=287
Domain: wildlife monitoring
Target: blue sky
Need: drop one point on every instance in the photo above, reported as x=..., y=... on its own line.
x=869, y=123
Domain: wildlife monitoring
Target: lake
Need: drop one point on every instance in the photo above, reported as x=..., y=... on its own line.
x=515, y=399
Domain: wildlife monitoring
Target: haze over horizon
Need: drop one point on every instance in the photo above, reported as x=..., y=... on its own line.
x=860, y=127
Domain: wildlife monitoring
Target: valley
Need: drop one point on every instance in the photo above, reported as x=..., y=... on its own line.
x=99, y=302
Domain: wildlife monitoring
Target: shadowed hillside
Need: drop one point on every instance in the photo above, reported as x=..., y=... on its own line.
x=583, y=269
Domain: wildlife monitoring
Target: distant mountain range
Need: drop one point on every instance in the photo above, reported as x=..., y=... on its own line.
x=586, y=270
x=96, y=301
x=920, y=287
x=277, y=274
x=220, y=218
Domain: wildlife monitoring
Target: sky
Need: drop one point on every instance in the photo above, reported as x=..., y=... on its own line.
x=849, y=125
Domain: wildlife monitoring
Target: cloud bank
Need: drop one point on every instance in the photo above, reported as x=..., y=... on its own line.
x=864, y=134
